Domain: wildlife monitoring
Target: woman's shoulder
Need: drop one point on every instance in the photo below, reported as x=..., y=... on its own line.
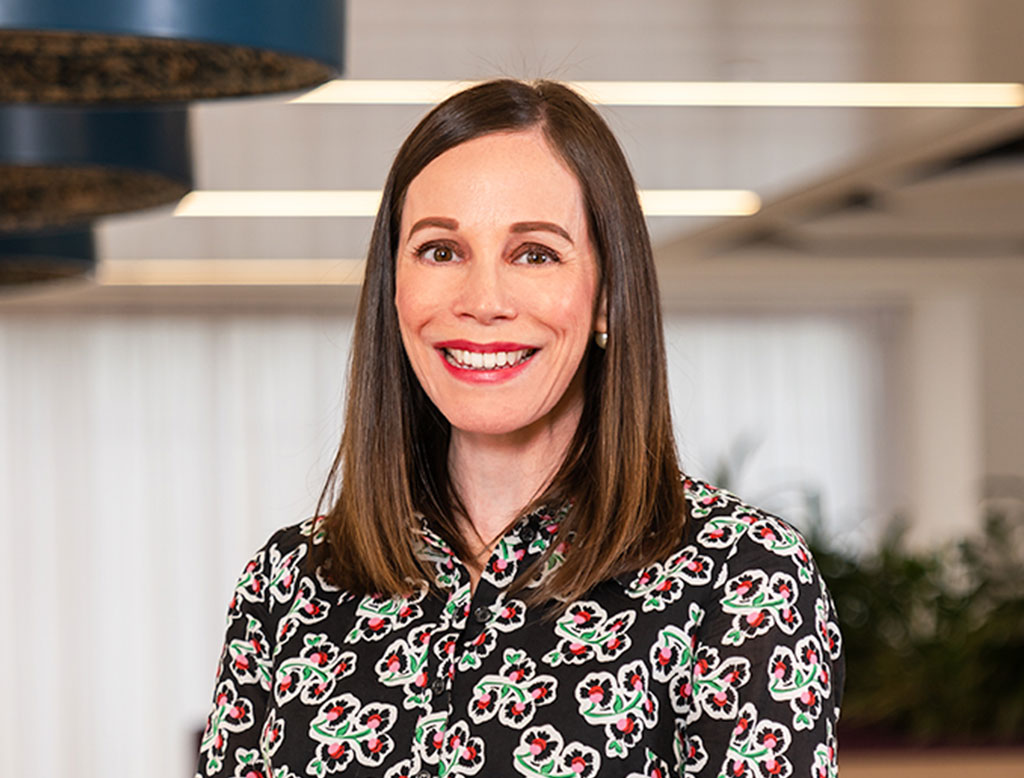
x=292, y=540
x=726, y=542
x=271, y=573
x=728, y=528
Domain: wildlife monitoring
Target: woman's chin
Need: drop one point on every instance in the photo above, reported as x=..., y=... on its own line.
x=484, y=424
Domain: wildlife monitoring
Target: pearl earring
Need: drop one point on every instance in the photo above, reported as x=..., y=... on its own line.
x=601, y=339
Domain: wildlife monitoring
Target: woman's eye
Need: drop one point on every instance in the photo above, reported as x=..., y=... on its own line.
x=438, y=252
x=535, y=255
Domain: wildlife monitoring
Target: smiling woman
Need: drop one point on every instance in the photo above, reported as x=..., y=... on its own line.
x=513, y=575
x=509, y=218
x=492, y=296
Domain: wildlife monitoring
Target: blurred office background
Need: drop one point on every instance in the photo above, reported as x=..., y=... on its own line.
x=852, y=353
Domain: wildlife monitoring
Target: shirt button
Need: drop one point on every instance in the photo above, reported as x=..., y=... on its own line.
x=482, y=615
x=422, y=774
x=438, y=686
x=527, y=533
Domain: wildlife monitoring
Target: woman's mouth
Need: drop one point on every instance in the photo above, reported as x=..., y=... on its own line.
x=465, y=359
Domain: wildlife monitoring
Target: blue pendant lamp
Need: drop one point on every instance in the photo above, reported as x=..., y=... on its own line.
x=63, y=165
x=165, y=50
x=32, y=257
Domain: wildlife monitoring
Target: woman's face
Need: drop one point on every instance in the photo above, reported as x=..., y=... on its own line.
x=496, y=282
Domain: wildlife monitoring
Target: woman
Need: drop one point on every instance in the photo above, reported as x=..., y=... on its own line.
x=513, y=578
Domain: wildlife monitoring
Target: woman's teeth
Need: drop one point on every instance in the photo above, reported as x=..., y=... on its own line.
x=489, y=360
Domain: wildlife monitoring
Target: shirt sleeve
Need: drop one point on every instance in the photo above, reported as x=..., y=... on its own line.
x=232, y=736
x=766, y=669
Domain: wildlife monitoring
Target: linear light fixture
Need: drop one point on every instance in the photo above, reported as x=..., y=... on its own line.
x=699, y=202
x=364, y=202
x=326, y=202
x=822, y=94
x=230, y=272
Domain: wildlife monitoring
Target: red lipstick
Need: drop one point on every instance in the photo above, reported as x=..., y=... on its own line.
x=481, y=375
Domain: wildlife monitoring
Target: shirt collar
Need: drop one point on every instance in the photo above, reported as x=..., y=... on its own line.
x=543, y=520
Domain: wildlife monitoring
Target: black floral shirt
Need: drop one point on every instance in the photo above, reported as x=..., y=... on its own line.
x=722, y=660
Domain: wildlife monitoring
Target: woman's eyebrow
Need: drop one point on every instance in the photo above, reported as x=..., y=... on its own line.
x=434, y=221
x=541, y=226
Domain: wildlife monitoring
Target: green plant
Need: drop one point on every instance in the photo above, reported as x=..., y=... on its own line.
x=934, y=641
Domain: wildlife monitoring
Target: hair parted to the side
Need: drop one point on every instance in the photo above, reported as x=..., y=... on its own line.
x=620, y=470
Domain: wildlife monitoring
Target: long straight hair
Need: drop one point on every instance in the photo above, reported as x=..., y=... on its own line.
x=620, y=471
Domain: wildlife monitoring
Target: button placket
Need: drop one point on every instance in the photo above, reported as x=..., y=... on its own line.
x=474, y=622
x=468, y=616
x=451, y=621
x=445, y=651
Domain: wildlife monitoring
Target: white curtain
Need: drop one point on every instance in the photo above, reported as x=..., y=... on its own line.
x=790, y=408
x=144, y=457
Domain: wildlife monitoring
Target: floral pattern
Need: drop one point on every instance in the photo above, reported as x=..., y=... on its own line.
x=802, y=678
x=623, y=704
x=722, y=659
x=345, y=729
x=663, y=584
x=231, y=713
x=378, y=616
x=514, y=693
x=542, y=752
x=587, y=633
x=760, y=603
x=757, y=749
x=314, y=672
x=404, y=663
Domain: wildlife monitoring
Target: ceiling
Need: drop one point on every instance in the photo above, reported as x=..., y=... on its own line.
x=780, y=153
x=955, y=193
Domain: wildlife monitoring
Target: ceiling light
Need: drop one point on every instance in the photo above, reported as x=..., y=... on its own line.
x=363, y=202
x=656, y=202
x=51, y=255
x=702, y=93
x=165, y=50
x=699, y=202
x=230, y=272
x=68, y=164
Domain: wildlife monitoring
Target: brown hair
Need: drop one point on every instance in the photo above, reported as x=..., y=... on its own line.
x=620, y=470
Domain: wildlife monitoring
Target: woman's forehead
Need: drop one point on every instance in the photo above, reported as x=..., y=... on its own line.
x=499, y=178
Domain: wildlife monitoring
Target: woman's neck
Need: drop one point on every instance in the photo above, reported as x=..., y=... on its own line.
x=496, y=476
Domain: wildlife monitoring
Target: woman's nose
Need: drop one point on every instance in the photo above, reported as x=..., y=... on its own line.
x=484, y=293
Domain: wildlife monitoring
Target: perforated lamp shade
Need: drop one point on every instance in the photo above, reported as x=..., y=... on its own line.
x=165, y=50
x=63, y=165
